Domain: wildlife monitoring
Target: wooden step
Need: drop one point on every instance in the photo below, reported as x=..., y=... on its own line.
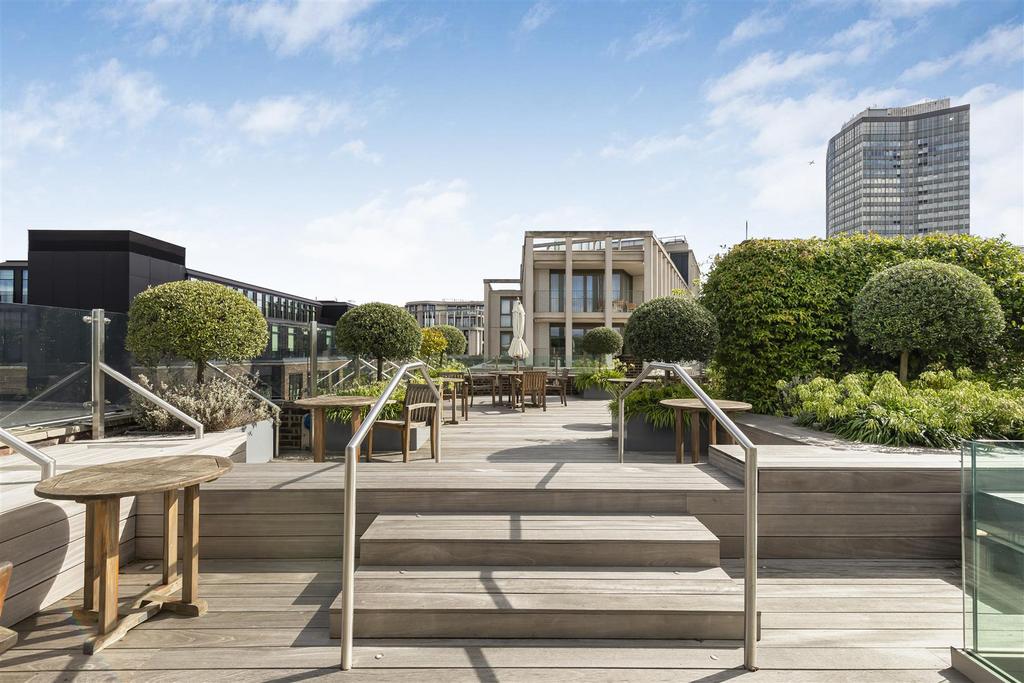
x=690, y=603
x=538, y=540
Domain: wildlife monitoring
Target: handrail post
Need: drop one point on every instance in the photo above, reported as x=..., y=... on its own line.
x=314, y=342
x=98, y=321
x=750, y=486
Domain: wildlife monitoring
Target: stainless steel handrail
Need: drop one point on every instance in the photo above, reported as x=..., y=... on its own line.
x=259, y=397
x=149, y=395
x=47, y=465
x=749, y=490
x=351, y=458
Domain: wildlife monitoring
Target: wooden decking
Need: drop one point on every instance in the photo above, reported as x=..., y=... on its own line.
x=847, y=621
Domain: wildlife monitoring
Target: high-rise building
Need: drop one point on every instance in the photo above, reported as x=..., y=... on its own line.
x=901, y=171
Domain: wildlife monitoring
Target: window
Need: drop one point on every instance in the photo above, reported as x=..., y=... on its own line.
x=6, y=286
x=291, y=339
x=274, y=342
x=587, y=292
x=24, y=286
x=505, y=319
x=294, y=386
x=556, y=295
x=504, y=341
x=556, y=342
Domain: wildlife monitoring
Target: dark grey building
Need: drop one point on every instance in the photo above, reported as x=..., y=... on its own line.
x=901, y=171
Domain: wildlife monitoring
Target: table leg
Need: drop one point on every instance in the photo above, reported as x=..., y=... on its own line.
x=357, y=421
x=712, y=430
x=695, y=435
x=465, y=403
x=455, y=418
x=319, y=434
x=108, y=538
x=89, y=611
x=679, y=435
x=170, y=537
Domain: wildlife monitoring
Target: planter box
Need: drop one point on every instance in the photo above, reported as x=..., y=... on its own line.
x=259, y=441
x=596, y=394
x=384, y=440
x=642, y=436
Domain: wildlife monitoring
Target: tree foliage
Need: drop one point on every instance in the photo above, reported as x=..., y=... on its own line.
x=785, y=307
x=455, y=338
x=600, y=341
x=200, y=321
x=433, y=343
x=671, y=329
x=937, y=309
x=382, y=331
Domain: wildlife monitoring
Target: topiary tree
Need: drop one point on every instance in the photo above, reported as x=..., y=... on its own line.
x=456, y=340
x=601, y=341
x=433, y=343
x=937, y=309
x=671, y=329
x=378, y=330
x=200, y=321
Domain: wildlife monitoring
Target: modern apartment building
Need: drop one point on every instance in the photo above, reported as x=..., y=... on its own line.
x=571, y=282
x=901, y=171
x=468, y=316
x=87, y=269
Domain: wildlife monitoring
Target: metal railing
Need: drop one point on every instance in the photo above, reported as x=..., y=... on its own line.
x=351, y=458
x=262, y=399
x=47, y=465
x=749, y=490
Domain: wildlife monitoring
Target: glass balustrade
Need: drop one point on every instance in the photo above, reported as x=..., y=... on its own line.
x=993, y=554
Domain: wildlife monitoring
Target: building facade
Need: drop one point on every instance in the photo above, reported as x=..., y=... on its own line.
x=572, y=282
x=86, y=269
x=466, y=315
x=901, y=171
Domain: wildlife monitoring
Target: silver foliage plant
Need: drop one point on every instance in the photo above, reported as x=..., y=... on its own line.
x=219, y=403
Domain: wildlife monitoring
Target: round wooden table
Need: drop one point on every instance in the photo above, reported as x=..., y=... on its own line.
x=458, y=385
x=100, y=488
x=695, y=407
x=318, y=406
x=515, y=377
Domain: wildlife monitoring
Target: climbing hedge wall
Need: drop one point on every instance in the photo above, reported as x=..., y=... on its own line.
x=784, y=307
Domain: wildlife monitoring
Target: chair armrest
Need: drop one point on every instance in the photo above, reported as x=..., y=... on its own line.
x=417, y=406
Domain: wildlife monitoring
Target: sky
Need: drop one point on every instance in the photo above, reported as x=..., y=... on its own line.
x=397, y=151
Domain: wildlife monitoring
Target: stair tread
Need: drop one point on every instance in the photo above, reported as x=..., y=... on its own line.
x=546, y=602
x=517, y=527
x=624, y=574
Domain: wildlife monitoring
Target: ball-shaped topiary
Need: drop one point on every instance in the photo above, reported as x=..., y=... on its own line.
x=200, y=321
x=671, y=329
x=378, y=330
x=937, y=309
x=456, y=340
x=433, y=343
x=601, y=341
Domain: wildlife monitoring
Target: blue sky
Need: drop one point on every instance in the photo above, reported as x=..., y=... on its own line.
x=375, y=151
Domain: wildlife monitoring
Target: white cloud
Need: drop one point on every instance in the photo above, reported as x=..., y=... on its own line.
x=1003, y=44
x=656, y=35
x=759, y=23
x=908, y=8
x=272, y=117
x=865, y=39
x=536, y=16
x=166, y=26
x=769, y=69
x=358, y=150
x=997, y=165
x=290, y=27
x=645, y=148
x=107, y=98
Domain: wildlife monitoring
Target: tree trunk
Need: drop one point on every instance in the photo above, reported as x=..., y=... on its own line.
x=380, y=368
x=904, y=362
x=200, y=371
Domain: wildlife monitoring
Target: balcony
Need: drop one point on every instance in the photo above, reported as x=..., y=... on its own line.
x=553, y=301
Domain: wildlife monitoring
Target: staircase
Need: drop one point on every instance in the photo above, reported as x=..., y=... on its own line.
x=514, y=575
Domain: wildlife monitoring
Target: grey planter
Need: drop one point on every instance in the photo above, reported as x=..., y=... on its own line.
x=340, y=433
x=642, y=436
x=596, y=394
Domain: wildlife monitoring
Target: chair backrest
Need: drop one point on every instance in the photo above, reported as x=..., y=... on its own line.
x=453, y=373
x=420, y=393
x=534, y=380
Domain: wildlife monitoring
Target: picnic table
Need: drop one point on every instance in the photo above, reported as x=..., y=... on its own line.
x=695, y=407
x=101, y=488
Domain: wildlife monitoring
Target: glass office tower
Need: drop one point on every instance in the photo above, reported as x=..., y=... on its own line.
x=902, y=171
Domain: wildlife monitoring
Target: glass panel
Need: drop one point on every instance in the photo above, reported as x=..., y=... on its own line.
x=993, y=548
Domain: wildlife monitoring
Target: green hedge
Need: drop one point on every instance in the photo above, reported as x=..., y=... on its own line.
x=784, y=307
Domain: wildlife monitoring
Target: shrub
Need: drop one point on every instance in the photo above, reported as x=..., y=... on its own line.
x=939, y=409
x=456, y=340
x=218, y=403
x=432, y=343
x=601, y=341
x=391, y=411
x=645, y=402
x=199, y=321
x=588, y=376
x=784, y=307
x=938, y=309
x=380, y=331
x=671, y=329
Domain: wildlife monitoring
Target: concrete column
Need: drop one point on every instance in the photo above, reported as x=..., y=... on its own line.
x=529, y=292
x=608, y=281
x=648, y=269
x=568, y=302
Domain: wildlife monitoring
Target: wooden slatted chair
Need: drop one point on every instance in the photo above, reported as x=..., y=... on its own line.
x=419, y=409
x=559, y=383
x=535, y=384
x=480, y=384
x=459, y=389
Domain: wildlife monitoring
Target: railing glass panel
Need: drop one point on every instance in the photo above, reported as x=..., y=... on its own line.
x=993, y=554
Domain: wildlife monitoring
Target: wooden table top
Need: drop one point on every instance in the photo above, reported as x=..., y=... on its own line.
x=133, y=477
x=450, y=380
x=696, y=404
x=332, y=401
